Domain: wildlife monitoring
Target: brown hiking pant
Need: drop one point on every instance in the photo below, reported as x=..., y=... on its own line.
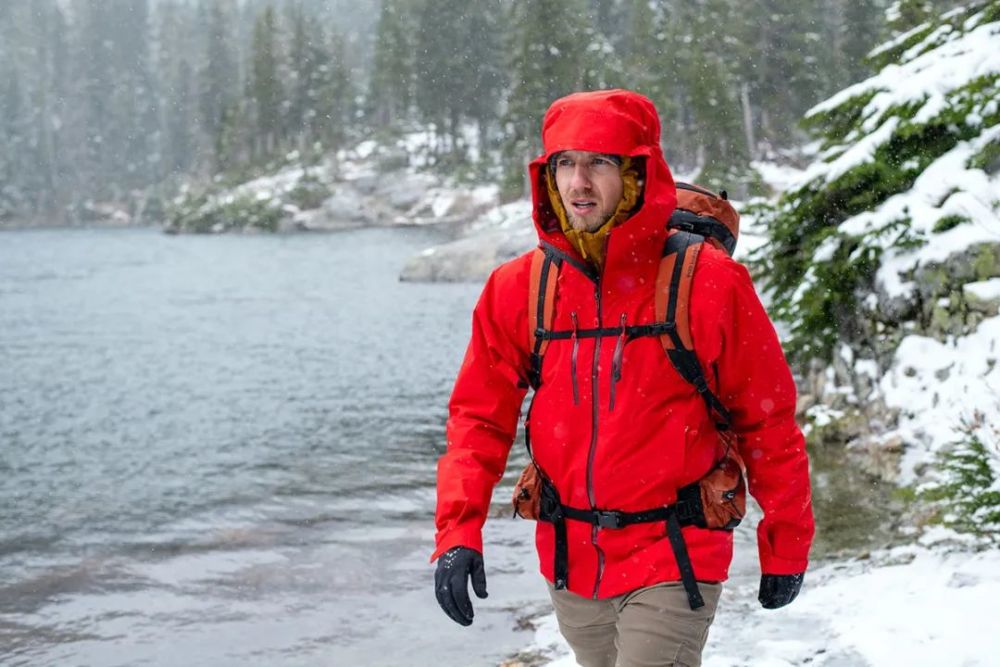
x=649, y=627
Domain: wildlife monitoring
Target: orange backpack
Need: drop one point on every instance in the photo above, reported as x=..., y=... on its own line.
x=718, y=499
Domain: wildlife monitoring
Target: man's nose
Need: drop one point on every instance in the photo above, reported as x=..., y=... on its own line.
x=581, y=177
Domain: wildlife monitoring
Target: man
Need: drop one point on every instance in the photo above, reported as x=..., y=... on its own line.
x=613, y=425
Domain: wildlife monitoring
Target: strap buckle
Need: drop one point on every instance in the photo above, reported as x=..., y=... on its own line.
x=609, y=519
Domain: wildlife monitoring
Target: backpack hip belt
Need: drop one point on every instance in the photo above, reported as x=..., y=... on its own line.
x=687, y=511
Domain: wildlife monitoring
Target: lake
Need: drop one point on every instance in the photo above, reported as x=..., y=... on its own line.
x=220, y=450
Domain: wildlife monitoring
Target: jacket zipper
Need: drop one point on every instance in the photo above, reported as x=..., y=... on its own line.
x=593, y=439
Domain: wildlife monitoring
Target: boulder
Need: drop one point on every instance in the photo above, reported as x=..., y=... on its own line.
x=470, y=259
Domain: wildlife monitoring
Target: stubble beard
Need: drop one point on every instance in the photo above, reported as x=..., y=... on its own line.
x=588, y=224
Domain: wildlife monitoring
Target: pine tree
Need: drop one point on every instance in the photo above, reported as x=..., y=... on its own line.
x=648, y=65
x=391, y=90
x=708, y=132
x=12, y=194
x=782, y=70
x=265, y=88
x=95, y=73
x=133, y=98
x=484, y=78
x=438, y=75
x=334, y=97
x=852, y=29
x=218, y=77
x=180, y=104
x=302, y=69
x=24, y=74
x=545, y=65
x=58, y=83
x=906, y=14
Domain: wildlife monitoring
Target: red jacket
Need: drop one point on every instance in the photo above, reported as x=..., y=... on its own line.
x=658, y=436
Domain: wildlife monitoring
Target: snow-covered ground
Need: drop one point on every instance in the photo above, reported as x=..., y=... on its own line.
x=927, y=604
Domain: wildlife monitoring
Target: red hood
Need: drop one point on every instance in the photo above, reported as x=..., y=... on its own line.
x=619, y=122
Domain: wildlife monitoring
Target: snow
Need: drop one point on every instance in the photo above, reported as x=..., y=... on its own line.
x=938, y=386
x=927, y=75
x=969, y=193
x=923, y=605
x=896, y=41
x=924, y=78
x=819, y=416
x=826, y=250
x=777, y=176
x=860, y=152
x=512, y=216
x=752, y=234
x=986, y=290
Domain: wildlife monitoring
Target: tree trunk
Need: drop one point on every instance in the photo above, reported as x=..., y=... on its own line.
x=748, y=120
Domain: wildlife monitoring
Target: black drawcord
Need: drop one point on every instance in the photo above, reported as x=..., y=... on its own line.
x=616, y=363
x=572, y=362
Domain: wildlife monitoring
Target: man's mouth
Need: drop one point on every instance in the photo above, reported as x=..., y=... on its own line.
x=583, y=206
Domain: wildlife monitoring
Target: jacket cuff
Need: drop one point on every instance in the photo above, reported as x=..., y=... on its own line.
x=775, y=565
x=471, y=538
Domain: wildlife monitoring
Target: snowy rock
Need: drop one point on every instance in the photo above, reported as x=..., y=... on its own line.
x=498, y=235
x=983, y=296
x=403, y=192
x=469, y=259
x=371, y=185
x=345, y=208
x=882, y=456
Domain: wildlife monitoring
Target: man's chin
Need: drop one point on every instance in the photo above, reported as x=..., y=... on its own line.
x=586, y=224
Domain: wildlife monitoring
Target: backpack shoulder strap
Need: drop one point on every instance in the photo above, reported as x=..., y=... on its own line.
x=673, y=305
x=541, y=306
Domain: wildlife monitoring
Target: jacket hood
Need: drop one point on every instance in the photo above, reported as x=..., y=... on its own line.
x=618, y=122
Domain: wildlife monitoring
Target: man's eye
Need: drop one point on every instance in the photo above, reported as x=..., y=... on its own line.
x=564, y=162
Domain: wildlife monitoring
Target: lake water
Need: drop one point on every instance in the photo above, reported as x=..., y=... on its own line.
x=221, y=451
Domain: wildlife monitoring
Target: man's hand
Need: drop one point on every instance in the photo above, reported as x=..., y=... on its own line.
x=451, y=582
x=777, y=590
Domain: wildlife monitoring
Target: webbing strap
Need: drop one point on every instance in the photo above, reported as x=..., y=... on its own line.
x=684, y=562
x=632, y=331
x=680, y=254
x=685, y=248
x=556, y=253
x=687, y=364
x=541, y=302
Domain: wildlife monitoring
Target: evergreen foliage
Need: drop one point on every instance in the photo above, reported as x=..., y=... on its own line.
x=266, y=89
x=548, y=59
x=218, y=92
x=816, y=271
x=967, y=493
x=127, y=99
x=391, y=88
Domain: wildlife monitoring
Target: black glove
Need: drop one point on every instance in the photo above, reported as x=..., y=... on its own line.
x=451, y=582
x=777, y=590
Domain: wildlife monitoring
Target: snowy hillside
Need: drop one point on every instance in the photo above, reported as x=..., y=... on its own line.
x=885, y=262
x=375, y=183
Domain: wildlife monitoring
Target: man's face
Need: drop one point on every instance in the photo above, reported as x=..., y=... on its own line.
x=590, y=186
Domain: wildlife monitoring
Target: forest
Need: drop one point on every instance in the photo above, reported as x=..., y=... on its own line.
x=113, y=105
